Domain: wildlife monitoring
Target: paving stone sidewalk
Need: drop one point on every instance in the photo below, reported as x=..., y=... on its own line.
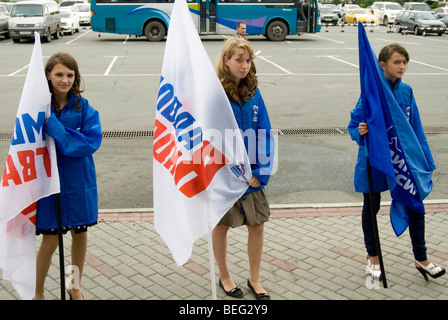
x=314, y=253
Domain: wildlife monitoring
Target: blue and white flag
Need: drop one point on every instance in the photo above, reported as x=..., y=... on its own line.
x=200, y=165
x=392, y=145
x=30, y=173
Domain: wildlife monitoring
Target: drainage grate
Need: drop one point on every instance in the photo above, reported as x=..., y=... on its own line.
x=5, y=136
x=128, y=134
x=435, y=129
x=280, y=132
x=307, y=131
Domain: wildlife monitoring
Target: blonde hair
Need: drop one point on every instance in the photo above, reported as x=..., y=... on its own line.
x=247, y=86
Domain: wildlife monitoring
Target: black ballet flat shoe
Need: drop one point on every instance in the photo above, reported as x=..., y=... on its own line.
x=235, y=292
x=258, y=296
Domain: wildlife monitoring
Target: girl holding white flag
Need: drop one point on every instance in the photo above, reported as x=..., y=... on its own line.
x=76, y=129
x=237, y=73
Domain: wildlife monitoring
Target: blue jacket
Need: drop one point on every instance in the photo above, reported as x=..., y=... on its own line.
x=405, y=98
x=77, y=135
x=252, y=117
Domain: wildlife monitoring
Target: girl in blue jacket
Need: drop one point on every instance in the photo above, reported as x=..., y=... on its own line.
x=75, y=127
x=393, y=60
x=237, y=73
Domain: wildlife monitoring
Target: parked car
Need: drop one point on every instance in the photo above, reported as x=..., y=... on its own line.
x=69, y=3
x=333, y=7
x=37, y=15
x=9, y=5
x=70, y=22
x=419, y=6
x=4, y=18
x=327, y=16
x=419, y=22
x=82, y=10
x=360, y=15
x=444, y=20
x=440, y=12
x=386, y=12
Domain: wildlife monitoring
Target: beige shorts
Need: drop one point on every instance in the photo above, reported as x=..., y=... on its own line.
x=251, y=209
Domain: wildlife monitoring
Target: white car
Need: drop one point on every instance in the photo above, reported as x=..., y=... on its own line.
x=70, y=21
x=69, y=3
x=82, y=10
x=386, y=12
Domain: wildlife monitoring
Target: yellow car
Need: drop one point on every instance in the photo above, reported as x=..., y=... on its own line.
x=360, y=15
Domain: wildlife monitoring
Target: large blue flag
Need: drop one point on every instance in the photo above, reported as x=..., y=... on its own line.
x=392, y=145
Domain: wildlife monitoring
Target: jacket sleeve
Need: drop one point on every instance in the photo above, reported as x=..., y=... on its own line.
x=417, y=126
x=356, y=116
x=262, y=169
x=76, y=143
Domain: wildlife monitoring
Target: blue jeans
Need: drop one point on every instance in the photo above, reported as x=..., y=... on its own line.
x=416, y=228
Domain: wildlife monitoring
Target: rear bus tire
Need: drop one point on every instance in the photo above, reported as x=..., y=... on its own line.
x=276, y=31
x=155, y=31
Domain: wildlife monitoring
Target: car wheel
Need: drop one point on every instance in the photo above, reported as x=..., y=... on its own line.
x=355, y=22
x=416, y=32
x=385, y=21
x=440, y=34
x=47, y=37
x=56, y=34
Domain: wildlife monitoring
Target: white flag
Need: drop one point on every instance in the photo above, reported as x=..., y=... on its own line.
x=200, y=163
x=30, y=174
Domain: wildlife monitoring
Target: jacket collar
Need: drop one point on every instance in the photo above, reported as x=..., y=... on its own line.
x=392, y=85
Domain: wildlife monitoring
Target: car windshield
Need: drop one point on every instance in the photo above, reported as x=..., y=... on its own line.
x=26, y=10
x=424, y=16
x=67, y=3
x=83, y=8
x=361, y=11
x=421, y=7
x=325, y=10
x=393, y=6
x=65, y=14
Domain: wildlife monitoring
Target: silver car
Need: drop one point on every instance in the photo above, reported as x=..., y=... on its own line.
x=4, y=18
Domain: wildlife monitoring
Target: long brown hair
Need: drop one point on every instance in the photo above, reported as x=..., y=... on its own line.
x=247, y=86
x=67, y=60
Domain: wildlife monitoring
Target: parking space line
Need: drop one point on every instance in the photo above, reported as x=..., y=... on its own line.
x=337, y=41
x=14, y=73
x=343, y=61
x=428, y=65
x=275, y=65
x=81, y=35
x=125, y=40
x=402, y=42
x=110, y=65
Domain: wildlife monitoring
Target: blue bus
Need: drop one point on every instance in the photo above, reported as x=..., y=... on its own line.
x=274, y=19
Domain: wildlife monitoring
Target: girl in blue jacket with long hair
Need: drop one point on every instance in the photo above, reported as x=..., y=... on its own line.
x=76, y=129
x=237, y=73
x=393, y=60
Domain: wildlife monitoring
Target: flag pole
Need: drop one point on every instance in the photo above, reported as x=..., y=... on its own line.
x=61, y=247
x=375, y=224
x=212, y=265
